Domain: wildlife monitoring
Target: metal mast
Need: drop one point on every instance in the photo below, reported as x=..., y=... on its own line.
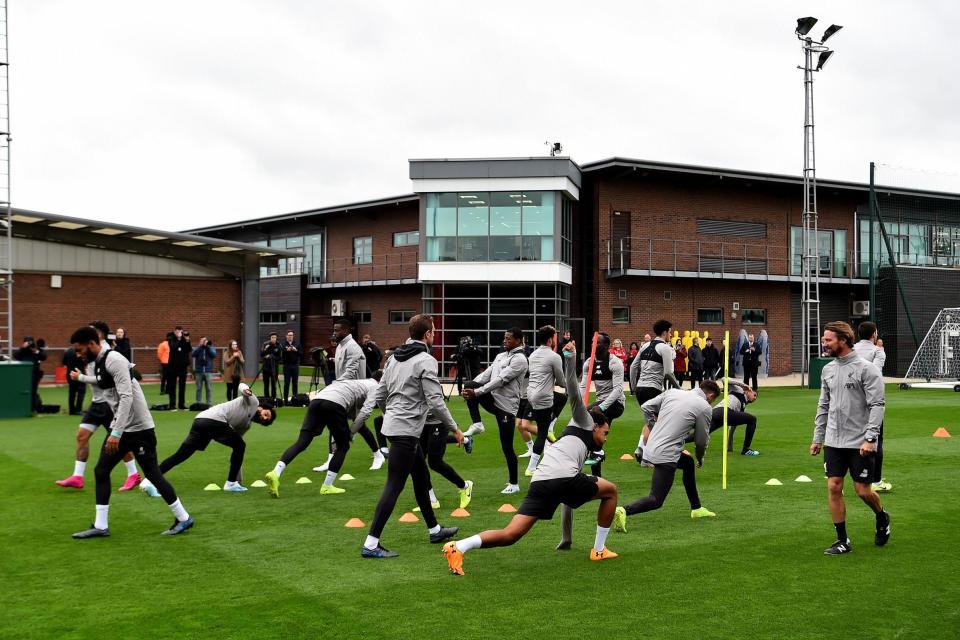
x=810, y=245
x=6, y=222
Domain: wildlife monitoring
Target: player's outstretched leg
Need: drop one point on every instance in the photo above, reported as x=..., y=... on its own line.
x=517, y=528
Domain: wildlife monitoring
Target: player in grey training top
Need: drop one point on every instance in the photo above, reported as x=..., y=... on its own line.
x=131, y=430
x=671, y=416
x=546, y=372
x=652, y=367
x=870, y=348
x=224, y=423
x=557, y=480
x=607, y=376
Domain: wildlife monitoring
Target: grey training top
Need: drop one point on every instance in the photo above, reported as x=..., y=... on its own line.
x=502, y=379
x=609, y=392
x=672, y=415
x=650, y=373
x=546, y=372
x=130, y=410
x=408, y=391
x=236, y=413
x=565, y=458
x=89, y=377
x=349, y=394
x=349, y=361
x=871, y=353
x=852, y=402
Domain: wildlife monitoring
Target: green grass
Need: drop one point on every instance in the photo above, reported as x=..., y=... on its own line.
x=260, y=568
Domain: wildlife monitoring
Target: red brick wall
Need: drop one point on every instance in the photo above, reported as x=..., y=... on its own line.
x=380, y=223
x=146, y=307
x=379, y=301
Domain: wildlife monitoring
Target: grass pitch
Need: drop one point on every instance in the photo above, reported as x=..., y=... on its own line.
x=254, y=567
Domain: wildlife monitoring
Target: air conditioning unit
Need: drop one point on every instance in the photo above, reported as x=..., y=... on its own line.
x=338, y=307
x=860, y=308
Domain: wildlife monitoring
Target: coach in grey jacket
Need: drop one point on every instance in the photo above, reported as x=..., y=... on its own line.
x=408, y=391
x=846, y=429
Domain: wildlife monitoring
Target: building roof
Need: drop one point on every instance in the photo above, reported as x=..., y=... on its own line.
x=198, y=249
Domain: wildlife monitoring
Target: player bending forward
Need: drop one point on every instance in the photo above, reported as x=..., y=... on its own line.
x=557, y=480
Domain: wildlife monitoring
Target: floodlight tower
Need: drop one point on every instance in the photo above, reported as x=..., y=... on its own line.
x=810, y=252
x=6, y=219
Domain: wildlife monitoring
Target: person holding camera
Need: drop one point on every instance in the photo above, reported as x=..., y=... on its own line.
x=232, y=369
x=270, y=356
x=372, y=354
x=467, y=360
x=77, y=390
x=33, y=351
x=203, y=357
x=177, y=366
x=290, y=355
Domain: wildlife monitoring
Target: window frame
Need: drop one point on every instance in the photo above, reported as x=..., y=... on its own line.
x=720, y=309
x=364, y=257
x=743, y=320
x=613, y=315
x=403, y=318
x=359, y=320
x=406, y=235
x=265, y=317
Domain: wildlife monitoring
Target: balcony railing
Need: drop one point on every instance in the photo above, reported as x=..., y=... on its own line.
x=385, y=268
x=747, y=260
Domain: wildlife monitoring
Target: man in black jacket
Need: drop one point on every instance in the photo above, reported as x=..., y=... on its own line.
x=33, y=351
x=751, y=353
x=711, y=360
x=372, y=354
x=177, y=366
x=290, y=355
x=77, y=389
x=695, y=363
x=270, y=355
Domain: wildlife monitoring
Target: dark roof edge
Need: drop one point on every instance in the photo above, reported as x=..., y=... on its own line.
x=363, y=204
x=756, y=175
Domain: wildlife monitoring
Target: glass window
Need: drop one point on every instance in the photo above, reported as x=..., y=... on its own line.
x=273, y=317
x=441, y=214
x=402, y=317
x=839, y=253
x=505, y=214
x=538, y=247
x=472, y=249
x=753, y=316
x=621, y=315
x=361, y=317
x=504, y=248
x=473, y=214
x=709, y=316
x=441, y=249
x=538, y=213
x=406, y=238
x=363, y=250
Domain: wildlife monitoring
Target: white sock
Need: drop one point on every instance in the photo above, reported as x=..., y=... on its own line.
x=178, y=511
x=552, y=424
x=377, y=455
x=131, y=466
x=534, y=461
x=79, y=467
x=101, y=520
x=469, y=544
x=601, y=540
x=384, y=450
x=433, y=496
x=434, y=529
x=331, y=476
x=640, y=444
x=371, y=542
x=530, y=445
x=278, y=470
x=329, y=458
x=472, y=429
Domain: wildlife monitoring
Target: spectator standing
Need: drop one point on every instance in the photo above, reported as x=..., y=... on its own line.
x=76, y=389
x=711, y=360
x=177, y=365
x=122, y=344
x=751, y=353
x=632, y=353
x=331, y=372
x=680, y=363
x=290, y=355
x=203, y=358
x=33, y=351
x=695, y=363
x=270, y=356
x=618, y=350
x=232, y=369
x=163, y=355
x=372, y=353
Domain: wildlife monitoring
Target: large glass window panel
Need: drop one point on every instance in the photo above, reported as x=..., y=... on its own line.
x=538, y=248
x=839, y=253
x=505, y=214
x=363, y=250
x=473, y=214
x=472, y=249
x=466, y=290
x=467, y=306
x=441, y=214
x=504, y=248
x=538, y=213
x=796, y=250
x=441, y=249
x=511, y=291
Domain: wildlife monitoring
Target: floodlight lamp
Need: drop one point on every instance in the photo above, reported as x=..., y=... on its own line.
x=832, y=29
x=557, y=147
x=822, y=60
x=805, y=24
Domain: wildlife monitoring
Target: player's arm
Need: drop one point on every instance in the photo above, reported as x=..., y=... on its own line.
x=433, y=394
x=120, y=370
x=701, y=433
x=873, y=391
x=634, y=373
x=512, y=369
x=820, y=421
x=666, y=354
x=879, y=357
x=581, y=417
x=376, y=397
x=583, y=378
x=483, y=377
x=617, y=394
x=351, y=364
x=247, y=394
x=556, y=368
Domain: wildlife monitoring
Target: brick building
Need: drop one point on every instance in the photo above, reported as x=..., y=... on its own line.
x=485, y=244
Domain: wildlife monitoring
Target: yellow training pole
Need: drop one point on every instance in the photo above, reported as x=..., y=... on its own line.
x=726, y=390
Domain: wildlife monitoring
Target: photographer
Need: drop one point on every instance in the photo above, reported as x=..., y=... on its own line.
x=467, y=359
x=33, y=351
x=77, y=390
x=291, y=350
x=177, y=366
x=203, y=357
x=270, y=355
x=372, y=353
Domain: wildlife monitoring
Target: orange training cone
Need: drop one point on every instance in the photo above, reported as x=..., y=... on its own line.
x=626, y=456
x=354, y=523
x=507, y=508
x=941, y=433
x=460, y=513
x=409, y=517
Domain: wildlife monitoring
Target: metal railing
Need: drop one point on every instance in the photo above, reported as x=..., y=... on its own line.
x=755, y=259
x=398, y=265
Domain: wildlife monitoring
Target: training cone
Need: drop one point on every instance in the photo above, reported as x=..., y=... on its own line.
x=259, y=484
x=347, y=476
x=773, y=482
x=507, y=508
x=626, y=456
x=802, y=479
x=460, y=513
x=354, y=523
x=212, y=487
x=941, y=433
x=409, y=517
x=304, y=480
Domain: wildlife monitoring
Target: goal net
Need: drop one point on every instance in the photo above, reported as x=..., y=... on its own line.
x=938, y=357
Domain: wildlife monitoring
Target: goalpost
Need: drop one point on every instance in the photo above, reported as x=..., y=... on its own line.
x=937, y=361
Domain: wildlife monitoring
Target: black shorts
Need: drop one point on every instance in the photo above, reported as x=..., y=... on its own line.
x=647, y=393
x=544, y=496
x=203, y=430
x=611, y=413
x=98, y=414
x=525, y=411
x=325, y=413
x=838, y=462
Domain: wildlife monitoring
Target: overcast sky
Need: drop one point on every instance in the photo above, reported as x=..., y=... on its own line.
x=181, y=114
